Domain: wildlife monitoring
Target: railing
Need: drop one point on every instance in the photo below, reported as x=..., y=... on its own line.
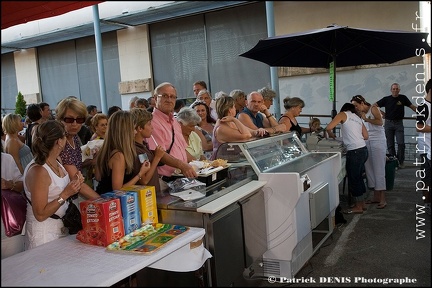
x=5, y=111
x=411, y=153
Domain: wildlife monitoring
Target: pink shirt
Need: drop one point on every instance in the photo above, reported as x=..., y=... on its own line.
x=162, y=133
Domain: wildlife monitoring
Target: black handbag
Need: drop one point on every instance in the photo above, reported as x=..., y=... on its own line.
x=71, y=219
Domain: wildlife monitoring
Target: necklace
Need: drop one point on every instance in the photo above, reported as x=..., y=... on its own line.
x=56, y=171
x=71, y=144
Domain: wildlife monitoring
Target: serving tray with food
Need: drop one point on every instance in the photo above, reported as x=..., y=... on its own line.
x=147, y=239
x=206, y=167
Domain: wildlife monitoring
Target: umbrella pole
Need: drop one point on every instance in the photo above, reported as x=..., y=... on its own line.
x=333, y=85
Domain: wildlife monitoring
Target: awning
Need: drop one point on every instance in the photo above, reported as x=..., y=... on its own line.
x=19, y=12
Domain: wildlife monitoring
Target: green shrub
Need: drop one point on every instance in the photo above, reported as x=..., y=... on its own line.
x=20, y=105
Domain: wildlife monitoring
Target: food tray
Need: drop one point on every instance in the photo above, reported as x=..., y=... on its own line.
x=206, y=171
x=147, y=239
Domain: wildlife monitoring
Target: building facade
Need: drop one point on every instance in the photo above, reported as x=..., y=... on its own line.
x=182, y=43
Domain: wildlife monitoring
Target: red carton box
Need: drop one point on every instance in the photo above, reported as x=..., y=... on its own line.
x=147, y=202
x=102, y=221
x=129, y=208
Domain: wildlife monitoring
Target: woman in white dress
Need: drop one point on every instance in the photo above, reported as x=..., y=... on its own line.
x=47, y=185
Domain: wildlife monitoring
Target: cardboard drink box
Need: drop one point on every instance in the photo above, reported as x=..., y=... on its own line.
x=102, y=221
x=147, y=202
x=129, y=208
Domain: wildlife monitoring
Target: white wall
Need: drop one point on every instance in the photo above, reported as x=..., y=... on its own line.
x=134, y=58
x=27, y=72
x=372, y=83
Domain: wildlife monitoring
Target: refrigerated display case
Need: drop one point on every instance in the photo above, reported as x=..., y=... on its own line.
x=232, y=213
x=301, y=195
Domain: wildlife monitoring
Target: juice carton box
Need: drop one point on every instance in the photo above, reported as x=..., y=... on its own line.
x=129, y=208
x=147, y=200
x=102, y=221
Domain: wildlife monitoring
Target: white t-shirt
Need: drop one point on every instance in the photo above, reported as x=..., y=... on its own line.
x=9, y=169
x=351, y=131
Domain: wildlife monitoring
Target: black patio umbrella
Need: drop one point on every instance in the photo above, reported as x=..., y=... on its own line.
x=338, y=46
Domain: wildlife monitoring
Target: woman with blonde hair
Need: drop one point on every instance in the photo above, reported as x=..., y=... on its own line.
x=21, y=153
x=99, y=123
x=116, y=158
x=73, y=113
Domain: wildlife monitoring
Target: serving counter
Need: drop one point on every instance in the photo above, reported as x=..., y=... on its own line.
x=301, y=194
x=69, y=262
x=232, y=213
x=268, y=216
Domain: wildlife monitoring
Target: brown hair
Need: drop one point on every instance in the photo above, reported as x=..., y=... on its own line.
x=45, y=138
x=140, y=117
x=360, y=99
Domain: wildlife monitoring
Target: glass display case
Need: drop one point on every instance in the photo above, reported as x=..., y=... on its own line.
x=266, y=153
x=280, y=153
x=301, y=193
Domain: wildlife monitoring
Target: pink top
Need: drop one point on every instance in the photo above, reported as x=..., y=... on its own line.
x=163, y=125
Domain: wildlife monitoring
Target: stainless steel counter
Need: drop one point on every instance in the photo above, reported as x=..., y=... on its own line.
x=232, y=213
x=237, y=177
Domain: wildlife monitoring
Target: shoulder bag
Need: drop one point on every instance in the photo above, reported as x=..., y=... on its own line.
x=13, y=215
x=71, y=219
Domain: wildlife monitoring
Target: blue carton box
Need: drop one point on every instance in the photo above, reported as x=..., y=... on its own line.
x=129, y=208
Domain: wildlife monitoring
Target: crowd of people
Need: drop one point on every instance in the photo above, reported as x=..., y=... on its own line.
x=147, y=143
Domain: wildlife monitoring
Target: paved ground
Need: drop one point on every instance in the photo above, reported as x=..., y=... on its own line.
x=381, y=244
x=391, y=244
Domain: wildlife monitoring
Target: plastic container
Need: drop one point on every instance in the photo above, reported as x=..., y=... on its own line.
x=390, y=172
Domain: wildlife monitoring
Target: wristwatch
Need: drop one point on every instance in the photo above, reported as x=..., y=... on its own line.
x=60, y=200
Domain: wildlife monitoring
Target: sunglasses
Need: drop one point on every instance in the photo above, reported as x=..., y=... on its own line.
x=78, y=120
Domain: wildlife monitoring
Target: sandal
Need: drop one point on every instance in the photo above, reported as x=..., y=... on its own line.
x=381, y=205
